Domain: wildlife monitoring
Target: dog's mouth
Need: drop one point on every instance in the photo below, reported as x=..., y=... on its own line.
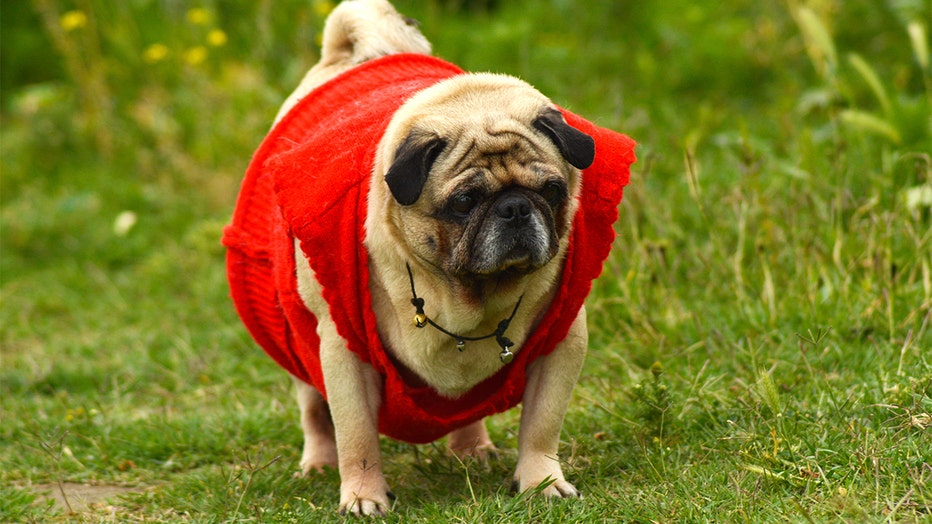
x=522, y=267
x=511, y=270
x=520, y=260
x=502, y=270
x=505, y=280
x=512, y=251
x=515, y=236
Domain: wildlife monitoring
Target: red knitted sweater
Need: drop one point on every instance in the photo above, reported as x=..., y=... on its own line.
x=309, y=180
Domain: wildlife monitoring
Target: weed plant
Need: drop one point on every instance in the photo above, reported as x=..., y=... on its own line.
x=760, y=337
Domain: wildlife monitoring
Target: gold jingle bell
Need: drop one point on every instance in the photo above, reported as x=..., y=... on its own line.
x=420, y=320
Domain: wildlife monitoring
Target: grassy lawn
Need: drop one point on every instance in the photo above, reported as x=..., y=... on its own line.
x=761, y=337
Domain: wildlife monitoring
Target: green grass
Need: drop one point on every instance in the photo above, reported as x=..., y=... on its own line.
x=761, y=347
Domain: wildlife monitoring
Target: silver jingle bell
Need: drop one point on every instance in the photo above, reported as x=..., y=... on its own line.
x=506, y=355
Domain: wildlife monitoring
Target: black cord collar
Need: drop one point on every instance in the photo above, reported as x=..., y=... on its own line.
x=421, y=320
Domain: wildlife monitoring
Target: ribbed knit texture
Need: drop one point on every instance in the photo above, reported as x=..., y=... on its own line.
x=309, y=180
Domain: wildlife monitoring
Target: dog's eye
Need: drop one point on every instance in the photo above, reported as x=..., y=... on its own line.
x=463, y=203
x=552, y=192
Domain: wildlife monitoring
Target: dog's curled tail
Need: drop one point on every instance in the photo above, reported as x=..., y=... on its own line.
x=361, y=30
x=357, y=31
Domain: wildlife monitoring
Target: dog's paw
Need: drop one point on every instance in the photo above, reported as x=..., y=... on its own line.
x=371, y=506
x=364, y=492
x=472, y=442
x=310, y=467
x=542, y=474
x=548, y=488
x=316, y=462
x=481, y=452
x=561, y=489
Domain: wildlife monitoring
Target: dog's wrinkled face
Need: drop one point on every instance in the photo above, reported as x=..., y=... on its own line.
x=491, y=196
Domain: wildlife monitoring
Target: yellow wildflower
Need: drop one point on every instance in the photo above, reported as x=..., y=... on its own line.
x=198, y=16
x=75, y=413
x=73, y=20
x=216, y=37
x=155, y=53
x=195, y=55
x=322, y=8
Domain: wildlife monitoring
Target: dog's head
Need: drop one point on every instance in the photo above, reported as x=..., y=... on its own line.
x=482, y=174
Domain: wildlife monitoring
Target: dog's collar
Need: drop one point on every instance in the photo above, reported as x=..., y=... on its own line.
x=421, y=320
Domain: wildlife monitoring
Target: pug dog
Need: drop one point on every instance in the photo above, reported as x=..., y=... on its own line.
x=419, y=267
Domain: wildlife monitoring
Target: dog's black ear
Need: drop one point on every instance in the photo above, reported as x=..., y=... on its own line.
x=576, y=147
x=413, y=160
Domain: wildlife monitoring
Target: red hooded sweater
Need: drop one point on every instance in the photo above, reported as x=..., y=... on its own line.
x=309, y=180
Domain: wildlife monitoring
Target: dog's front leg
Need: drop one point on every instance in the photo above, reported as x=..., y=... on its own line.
x=547, y=394
x=353, y=392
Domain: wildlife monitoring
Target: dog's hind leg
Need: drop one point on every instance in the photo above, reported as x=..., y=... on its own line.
x=471, y=441
x=320, y=448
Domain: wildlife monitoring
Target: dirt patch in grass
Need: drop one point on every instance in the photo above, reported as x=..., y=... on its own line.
x=81, y=498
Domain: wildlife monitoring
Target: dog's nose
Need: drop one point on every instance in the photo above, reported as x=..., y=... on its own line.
x=513, y=208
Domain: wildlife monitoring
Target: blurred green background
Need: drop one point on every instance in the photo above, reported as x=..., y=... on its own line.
x=170, y=98
x=774, y=253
